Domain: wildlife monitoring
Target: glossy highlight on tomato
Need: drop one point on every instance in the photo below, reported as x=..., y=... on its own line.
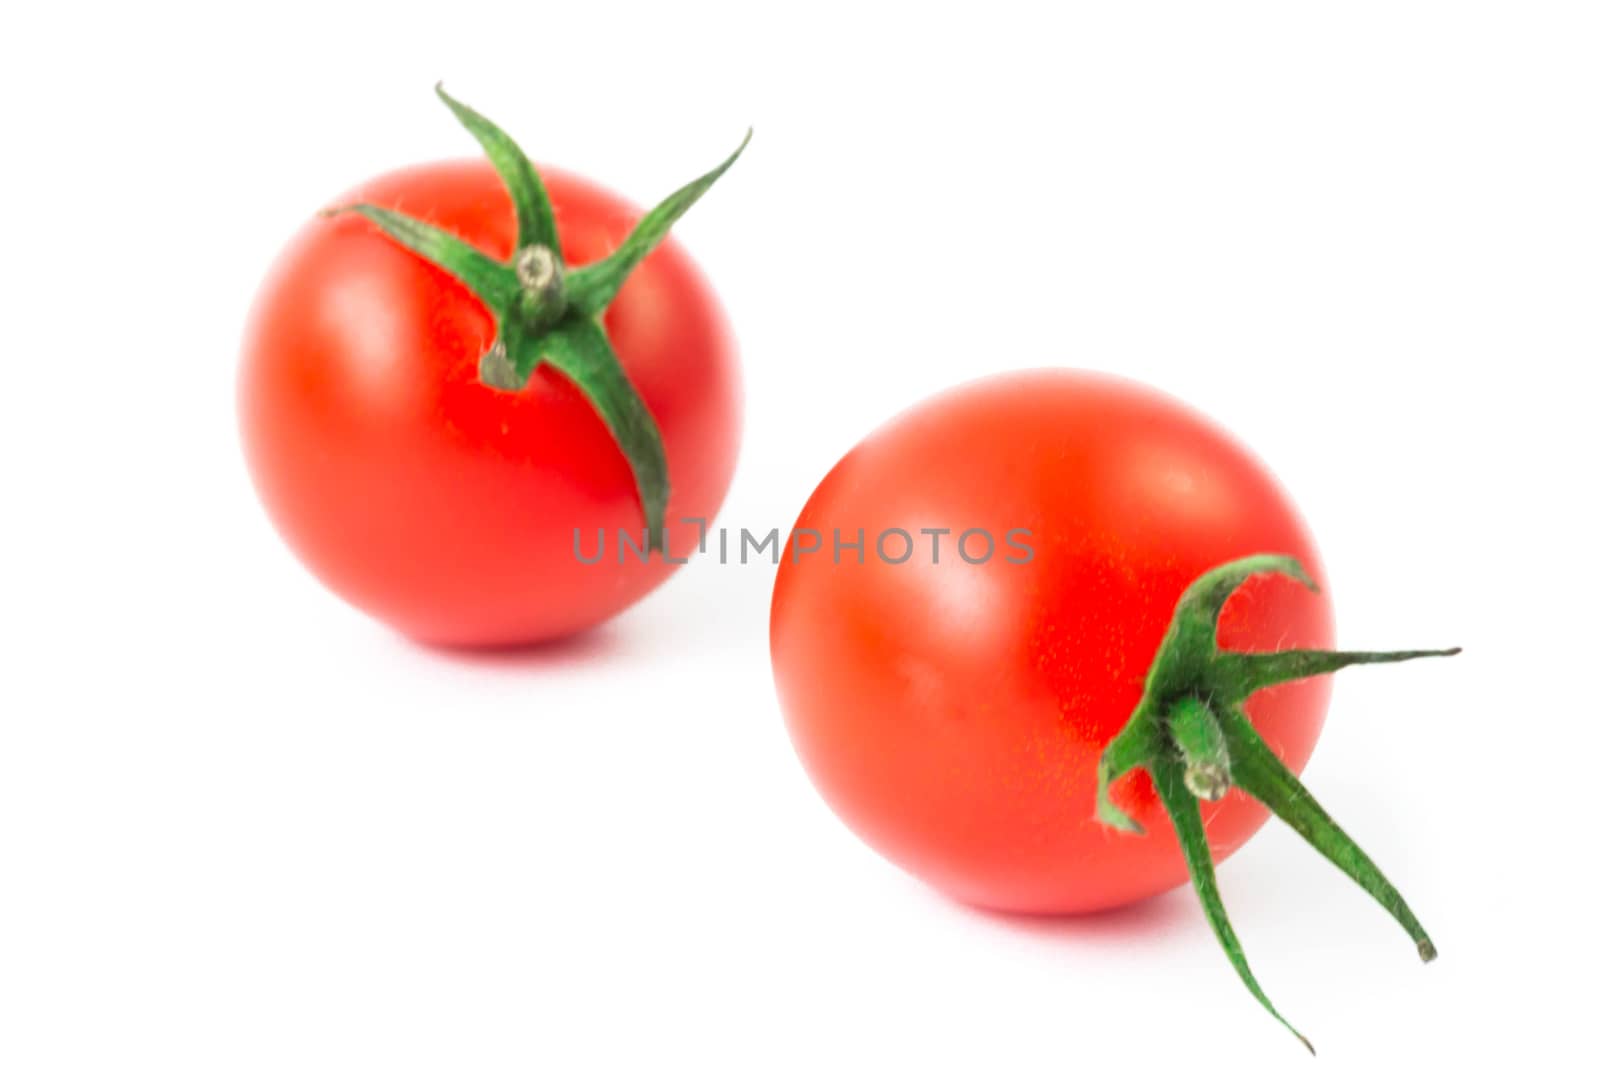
x=953, y=713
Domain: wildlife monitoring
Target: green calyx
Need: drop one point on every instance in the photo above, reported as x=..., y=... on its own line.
x=548, y=313
x=1190, y=734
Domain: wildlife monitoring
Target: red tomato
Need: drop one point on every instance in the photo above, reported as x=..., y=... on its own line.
x=953, y=712
x=432, y=501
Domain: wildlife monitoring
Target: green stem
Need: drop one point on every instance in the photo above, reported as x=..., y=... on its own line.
x=1205, y=754
x=1190, y=733
x=493, y=282
x=536, y=220
x=594, y=286
x=1263, y=775
x=583, y=355
x=1184, y=811
x=543, y=311
x=541, y=300
x=1140, y=741
x=1246, y=673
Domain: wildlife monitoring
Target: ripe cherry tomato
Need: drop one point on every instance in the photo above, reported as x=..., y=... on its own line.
x=444, y=506
x=951, y=709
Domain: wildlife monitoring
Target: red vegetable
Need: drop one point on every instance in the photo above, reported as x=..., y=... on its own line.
x=954, y=710
x=432, y=405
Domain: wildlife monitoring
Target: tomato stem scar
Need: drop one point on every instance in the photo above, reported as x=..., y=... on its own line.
x=545, y=314
x=1190, y=733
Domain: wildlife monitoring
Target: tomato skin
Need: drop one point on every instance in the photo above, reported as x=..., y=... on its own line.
x=953, y=714
x=441, y=506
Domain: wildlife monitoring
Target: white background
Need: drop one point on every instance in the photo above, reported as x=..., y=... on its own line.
x=245, y=833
